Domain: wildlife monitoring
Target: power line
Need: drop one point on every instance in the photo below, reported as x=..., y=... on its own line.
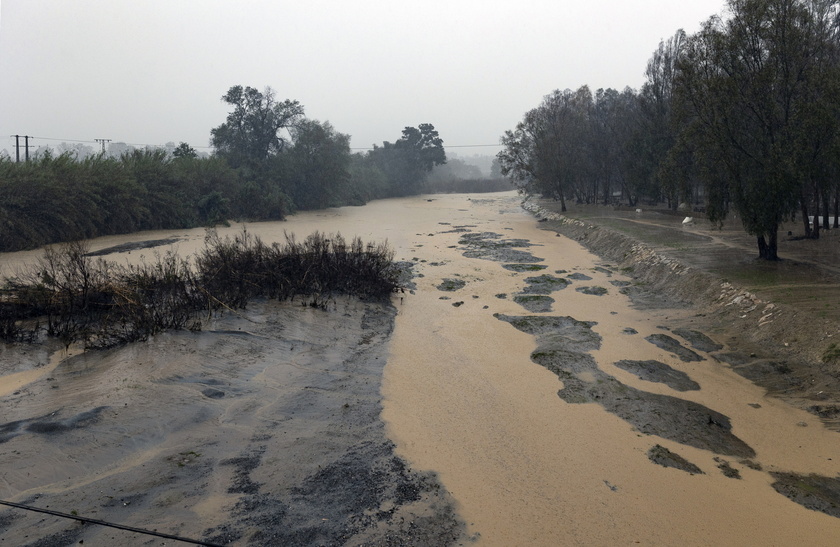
x=62, y=140
x=99, y=141
x=109, y=524
x=95, y=141
x=470, y=145
x=447, y=146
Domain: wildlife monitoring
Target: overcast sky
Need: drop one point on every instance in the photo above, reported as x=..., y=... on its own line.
x=153, y=71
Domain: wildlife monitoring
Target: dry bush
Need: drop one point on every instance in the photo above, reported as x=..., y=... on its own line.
x=102, y=305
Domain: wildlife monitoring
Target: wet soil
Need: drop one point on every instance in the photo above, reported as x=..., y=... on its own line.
x=781, y=344
x=534, y=303
x=564, y=344
x=812, y=491
x=657, y=371
x=451, y=285
x=263, y=429
x=671, y=345
x=492, y=246
x=778, y=315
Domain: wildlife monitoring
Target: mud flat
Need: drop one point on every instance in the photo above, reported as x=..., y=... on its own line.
x=263, y=429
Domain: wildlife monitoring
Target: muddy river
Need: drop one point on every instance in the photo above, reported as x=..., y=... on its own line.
x=515, y=396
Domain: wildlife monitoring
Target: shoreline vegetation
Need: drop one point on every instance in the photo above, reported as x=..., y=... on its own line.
x=57, y=199
x=269, y=161
x=718, y=127
x=70, y=296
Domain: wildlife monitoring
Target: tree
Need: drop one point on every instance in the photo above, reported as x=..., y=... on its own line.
x=495, y=169
x=184, y=150
x=455, y=169
x=759, y=93
x=367, y=180
x=252, y=131
x=657, y=129
x=425, y=147
x=407, y=161
x=546, y=153
x=614, y=117
x=319, y=163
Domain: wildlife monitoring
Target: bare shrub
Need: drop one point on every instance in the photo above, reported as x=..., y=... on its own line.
x=102, y=305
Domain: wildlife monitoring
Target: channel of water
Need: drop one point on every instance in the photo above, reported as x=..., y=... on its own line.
x=462, y=397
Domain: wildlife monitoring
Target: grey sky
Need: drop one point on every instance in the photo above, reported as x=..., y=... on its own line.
x=152, y=71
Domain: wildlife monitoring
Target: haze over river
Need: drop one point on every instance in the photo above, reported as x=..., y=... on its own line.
x=462, y=397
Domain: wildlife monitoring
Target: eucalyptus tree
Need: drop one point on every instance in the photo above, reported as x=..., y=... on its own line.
x=760, y=95
x=818, y=136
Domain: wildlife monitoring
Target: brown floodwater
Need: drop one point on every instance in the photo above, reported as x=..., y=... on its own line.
x=462, y=397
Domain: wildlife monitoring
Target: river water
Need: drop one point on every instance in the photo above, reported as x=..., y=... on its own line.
x=462, y=397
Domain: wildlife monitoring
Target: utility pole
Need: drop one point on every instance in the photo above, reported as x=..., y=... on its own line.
x=17, y=146
x=102, y=141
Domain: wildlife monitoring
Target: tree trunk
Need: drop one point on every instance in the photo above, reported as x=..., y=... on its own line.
x=768, y=247
x=562, y=202
x=773, y=246
x=825, y=211
x=762, y=246
x=815, y=233
x=805, y=217
x=837, y=209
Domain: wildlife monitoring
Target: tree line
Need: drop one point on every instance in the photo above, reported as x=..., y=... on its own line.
x=269, y=160
x=742, y=117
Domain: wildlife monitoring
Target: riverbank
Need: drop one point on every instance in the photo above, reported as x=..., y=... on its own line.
x=783, y=346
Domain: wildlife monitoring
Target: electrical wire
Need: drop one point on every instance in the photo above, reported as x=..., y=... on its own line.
x=209, y=147
x=109, y=524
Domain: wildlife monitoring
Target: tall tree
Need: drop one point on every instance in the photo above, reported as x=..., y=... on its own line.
x=546, y=152
x=756, y=90
x=254, y=128
x=656, y=132
x=613, y=120
x=319, y=165
x=407, y=161
x=184, y=150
